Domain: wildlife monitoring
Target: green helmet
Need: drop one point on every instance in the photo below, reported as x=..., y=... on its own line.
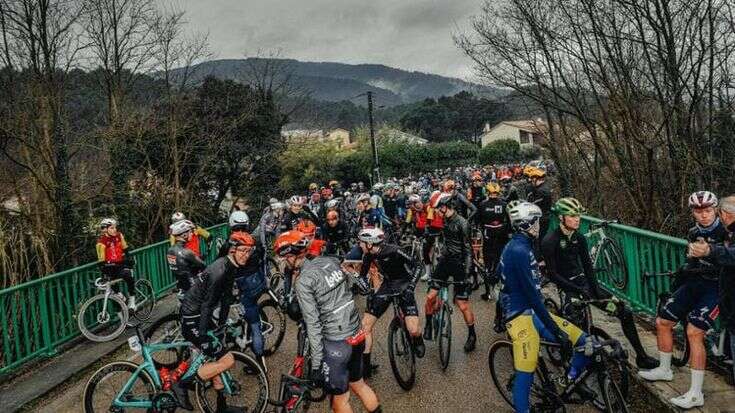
x=568, y=206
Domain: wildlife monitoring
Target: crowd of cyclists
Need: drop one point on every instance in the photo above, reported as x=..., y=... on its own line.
x=335, y=242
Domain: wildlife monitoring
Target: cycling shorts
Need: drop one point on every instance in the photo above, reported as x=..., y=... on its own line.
x=447, y=268
x=342, y=365
x=377, y=305
x=200, y=339
x=697, y=300
x=526, y=331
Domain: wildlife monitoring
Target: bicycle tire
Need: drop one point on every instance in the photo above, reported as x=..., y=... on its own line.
x=614, y=399
x=619, y=371
x=272, y=341
x=206, y=395
x=445, y=338
x=144, y=311
x=167, y=329
x=399, y=342
x=101, y=376
x=83, y=315
x=502, y=371
x=284, y=395
x=613, y=261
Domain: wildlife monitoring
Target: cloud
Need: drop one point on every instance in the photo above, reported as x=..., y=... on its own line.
x=409, y=34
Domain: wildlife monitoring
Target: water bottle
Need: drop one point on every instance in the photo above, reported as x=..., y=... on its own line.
x=588, y=346
x=179, y=371
x=134, y=344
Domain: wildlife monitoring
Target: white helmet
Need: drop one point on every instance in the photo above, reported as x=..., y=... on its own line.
x=702, y=199
x=277, y=205
x=524, y=216
x=177, y=216
x=238, y=218
x=362, y=197
x=378, y=187
x=107, y=222
x=347, y=194
x=413, y=199
x=295, y=200
x=332, y=203
x=180, y=227
x=371, y=235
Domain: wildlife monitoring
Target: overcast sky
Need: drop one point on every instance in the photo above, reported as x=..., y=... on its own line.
x=408, y=34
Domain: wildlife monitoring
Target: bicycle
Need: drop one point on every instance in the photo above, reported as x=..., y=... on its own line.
x=294, y=392
x=607, y=256
x=400, y=349
x=142, y=386
x=442, y=320
x=104, y=316
x=551, y=390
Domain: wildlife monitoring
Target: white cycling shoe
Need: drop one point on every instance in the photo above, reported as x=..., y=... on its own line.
x=131, y=303
x=657, y=374
x=688, y=400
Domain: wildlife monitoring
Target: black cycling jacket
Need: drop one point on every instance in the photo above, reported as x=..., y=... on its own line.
x=493, y=218
x=336, y=237
x=568, y=257
x=702, y=267
x=541, y=196
x=394, y=265
x=290, y=220
x=209, y=290
x=457, y=241
x=184, y=264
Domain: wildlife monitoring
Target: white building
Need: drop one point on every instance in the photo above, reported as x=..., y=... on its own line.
x=525, y=132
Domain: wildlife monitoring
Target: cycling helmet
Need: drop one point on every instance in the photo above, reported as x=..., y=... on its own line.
x=423, y=192
x=333, y=183
x=492, y=188
x=378, y=187
x=181, y=227
x=375, y=201
x=107, y=222
x=277, y=205
x=239, y=238
x=702, y=199
x=295, y=200
x=408, y=190
x=524, y=216
x=177, y=216
x=347, y=194
x=414, y=199
x=313, y=186
x=568, y=206
x=362, y=198
x=306, y=227
x=332, y=203
x=443, y=199
x=371, y=235
x=239, y=218
x=449, y=185
x=290, y=243
x=536, y=173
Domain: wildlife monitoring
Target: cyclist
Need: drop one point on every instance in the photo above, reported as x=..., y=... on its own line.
x=195, y=242
x=270, y=222
x=183, y=262
x=455, y=260
x=569, y=266
x=335, y=233
x=369, y=216
x=332, y=325
x=210, y=289
x=493, y=220
x=696, y=298
x=540, y=194
x=296, y=212
x=111, y=248
x=398, y=273
x=336, y=189
x=390, y=201
x=476, y=193
x=525, y=316
x=462, y=205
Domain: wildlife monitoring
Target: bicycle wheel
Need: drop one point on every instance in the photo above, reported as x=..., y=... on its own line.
x=167, y=330
x=611, y=264
x=616, y=369
x=401, y=356
x=614, y=399
x=145, y=300
x=445, y=335
x=106, y=383
x=103, y=319
x=273, y=326
x=502, y=371
x=249, y=387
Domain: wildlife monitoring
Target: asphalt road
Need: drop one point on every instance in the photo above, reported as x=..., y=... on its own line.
x=465, y=386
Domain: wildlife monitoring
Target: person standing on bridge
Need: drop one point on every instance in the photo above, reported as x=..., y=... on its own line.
x=184, y=263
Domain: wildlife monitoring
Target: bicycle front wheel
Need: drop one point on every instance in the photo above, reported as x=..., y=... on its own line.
x=273, y=326
x=145, y=300
x=611, y=264
x=401, y=356
x=502, y=371
x=614, y=400
x=445, y=335
x=249, y=387
x=617, y=370
x=163, y=331
x=103, y=319
x=106, y=384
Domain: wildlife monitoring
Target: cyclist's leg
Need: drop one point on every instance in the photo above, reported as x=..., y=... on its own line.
x=337, y=355
x=627, y=322
x=376, y=306
x=526, y=345
x=357, y=385
x=462, y=293
x=430, y=305
x=251, y=287
x=675, y=309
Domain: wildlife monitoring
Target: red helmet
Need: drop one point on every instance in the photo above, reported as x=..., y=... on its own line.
x=290, y=243
x=306, y=227
x=326, y=192
x=240, y=238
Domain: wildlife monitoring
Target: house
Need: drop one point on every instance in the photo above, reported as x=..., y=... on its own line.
x=395, y=135
x=525, y=132
x=296, y=134
x=339, y=136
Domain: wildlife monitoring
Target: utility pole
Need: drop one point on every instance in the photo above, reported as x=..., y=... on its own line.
x=376, y=165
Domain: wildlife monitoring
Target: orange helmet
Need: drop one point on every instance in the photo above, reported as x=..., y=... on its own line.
x=240, y=238
x=306, y=227
x=290, y=243
x=448, y=185
x=315, y=247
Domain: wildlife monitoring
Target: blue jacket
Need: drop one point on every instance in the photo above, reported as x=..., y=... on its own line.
x=520, y=277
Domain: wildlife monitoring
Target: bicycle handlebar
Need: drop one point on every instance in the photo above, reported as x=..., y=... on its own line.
x=604, y=224
x=647, y=274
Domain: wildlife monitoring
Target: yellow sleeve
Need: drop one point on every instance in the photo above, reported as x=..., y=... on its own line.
x=100, y=251
x=171, y=240
x=202, y=232
x=123, y=242
x=409, y=216
x=429, y=213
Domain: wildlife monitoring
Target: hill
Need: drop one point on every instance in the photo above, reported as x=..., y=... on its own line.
x=334, y=82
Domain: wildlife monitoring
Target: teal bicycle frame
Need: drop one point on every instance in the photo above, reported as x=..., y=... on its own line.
x=149, y=367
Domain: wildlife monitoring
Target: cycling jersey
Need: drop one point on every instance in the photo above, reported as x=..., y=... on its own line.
x=463, y=205
x=291, y=220
x=210, y=289
x=418, y=218
x=702, y=267
x=337, y=237
x=268, y=227
x=541, y=196
x=568, y=262
x=194, y=244
x=184, y=264
x=457, y=241
x=111, y=249
x=493, y=218
x=390, y=205
x=393, y=264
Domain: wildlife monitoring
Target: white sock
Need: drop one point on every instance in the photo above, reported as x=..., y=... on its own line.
x=664, y=360
x=427, y=267
x=697, y=381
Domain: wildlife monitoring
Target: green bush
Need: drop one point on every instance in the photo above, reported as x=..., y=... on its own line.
x=500, y=151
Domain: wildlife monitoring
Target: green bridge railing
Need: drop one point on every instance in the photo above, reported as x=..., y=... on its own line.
x=644, y=252
x=39, y=316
